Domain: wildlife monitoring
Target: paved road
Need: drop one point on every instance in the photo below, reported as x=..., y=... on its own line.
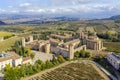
x=107, y=73
x=116, y=72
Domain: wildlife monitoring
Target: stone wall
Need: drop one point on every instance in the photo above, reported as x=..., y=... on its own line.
x=60, y=51
x=81, y=48
x=1, y=38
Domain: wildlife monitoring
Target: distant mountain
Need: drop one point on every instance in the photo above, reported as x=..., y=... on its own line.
x=63, y=18
x=115, y=17
x=2, y=23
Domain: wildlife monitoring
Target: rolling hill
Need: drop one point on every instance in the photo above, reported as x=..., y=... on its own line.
x=2, y=23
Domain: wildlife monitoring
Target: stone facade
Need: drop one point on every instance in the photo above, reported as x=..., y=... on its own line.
x=68, y=49
x=44, y=47
x=47, y=48
x=27, y=60
x=11, y=58
x=114, y=60
x=81, y=35
x=30, y=39
x=71, y=51
x=23, y=41
x=1, y=38
x=38, y=45
x=94, y=43
x=55, y=42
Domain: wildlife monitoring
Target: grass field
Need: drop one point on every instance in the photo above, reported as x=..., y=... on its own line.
x=4, y=45
x=112, y=45
x=2, y=34
x=74, y=71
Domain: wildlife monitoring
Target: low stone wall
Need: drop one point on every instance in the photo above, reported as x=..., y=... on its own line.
x=81, y=48
x=59, y=51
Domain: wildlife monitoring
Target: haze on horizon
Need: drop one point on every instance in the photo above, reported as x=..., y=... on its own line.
x=74, y=8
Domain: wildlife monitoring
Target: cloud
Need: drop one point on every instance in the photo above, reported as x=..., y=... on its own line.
x=2, y=10
x=74, y=7
x=25, y=5
x=84, y=1
x=70, y=2
x=10, y=6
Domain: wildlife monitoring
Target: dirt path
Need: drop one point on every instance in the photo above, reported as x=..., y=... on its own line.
x=48, y=70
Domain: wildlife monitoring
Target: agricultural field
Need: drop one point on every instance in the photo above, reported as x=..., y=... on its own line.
x=74, y=71
x=5, y=45
x=112, y=45
x=99, y=26
x=2, y=34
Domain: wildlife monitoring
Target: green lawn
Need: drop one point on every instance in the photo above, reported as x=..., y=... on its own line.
x=112, y=47
x=4, y=45
x=2, y=34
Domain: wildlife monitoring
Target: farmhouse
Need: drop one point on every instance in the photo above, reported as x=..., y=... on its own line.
x=9, y=58
x=114, y=60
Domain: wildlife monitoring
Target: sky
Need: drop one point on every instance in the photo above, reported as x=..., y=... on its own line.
x=77, y=8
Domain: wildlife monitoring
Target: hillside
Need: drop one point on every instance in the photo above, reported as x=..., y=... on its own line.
x=115, y=17
x=2, y=23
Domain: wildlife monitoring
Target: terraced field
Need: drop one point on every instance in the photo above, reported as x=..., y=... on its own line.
x=74, y=71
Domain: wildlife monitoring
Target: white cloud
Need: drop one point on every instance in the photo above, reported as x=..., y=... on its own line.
x=66, y=7
x=10, y=6
x=14, y=11
x=2, y=10
x=70, y=2
x=25, y=5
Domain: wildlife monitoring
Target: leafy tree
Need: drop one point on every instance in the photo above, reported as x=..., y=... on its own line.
x=61, y=59
x=39, y=62
x=32, y=55
x=82, y=54
x=77, y=54
x=55, y=61
x=29, y=51
x=48, y=64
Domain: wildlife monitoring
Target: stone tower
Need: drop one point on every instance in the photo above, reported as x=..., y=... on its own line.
x=71, y=51
x=47, y=48
x=31, y=38
x=1, y=38
x=40, y=47
x=94, y=43
x=23, y=41
x=81, y=35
